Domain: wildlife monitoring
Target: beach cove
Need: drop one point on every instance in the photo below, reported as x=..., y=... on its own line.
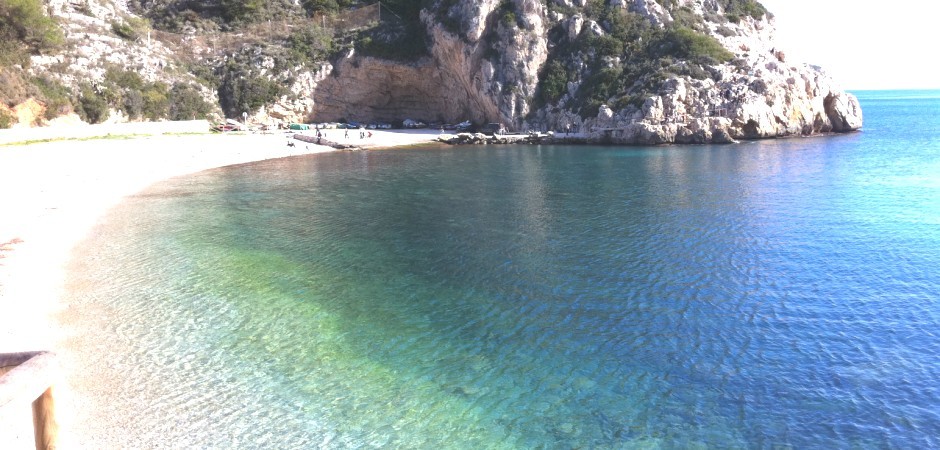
x=53, y=192
x=778, y=292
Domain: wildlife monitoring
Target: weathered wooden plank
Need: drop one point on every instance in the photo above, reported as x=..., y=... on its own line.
x=25, y=382
x=27, y=378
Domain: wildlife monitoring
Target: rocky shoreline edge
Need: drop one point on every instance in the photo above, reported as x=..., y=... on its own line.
x=551, y=138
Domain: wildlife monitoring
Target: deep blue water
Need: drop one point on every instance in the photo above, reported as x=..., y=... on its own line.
x=762, y=295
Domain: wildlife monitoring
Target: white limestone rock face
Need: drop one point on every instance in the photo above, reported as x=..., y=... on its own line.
x=843, y=111
x=472, y=17
x=574, y=26
x=651, y=10
x=484, y=70
x=462, y=79
x=92, y=47
x=595, y=28
x=298, y=105
x=605, y=116
x=489, y=72
x=765, y=94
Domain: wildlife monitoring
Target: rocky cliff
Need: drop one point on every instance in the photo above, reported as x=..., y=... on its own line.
x=480, y=69
x=623, y=71
x=488, y=63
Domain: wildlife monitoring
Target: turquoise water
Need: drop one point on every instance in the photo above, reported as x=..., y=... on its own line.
x=762, y=295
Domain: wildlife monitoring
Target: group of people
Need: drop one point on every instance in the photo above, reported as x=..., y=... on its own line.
x=362, y=133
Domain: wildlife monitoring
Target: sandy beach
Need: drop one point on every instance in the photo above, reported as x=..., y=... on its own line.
x=53, y=193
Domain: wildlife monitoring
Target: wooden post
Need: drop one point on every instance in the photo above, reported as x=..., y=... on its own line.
x=45, y=427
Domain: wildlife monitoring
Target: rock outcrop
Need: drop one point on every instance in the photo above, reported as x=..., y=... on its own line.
x=528, y=64
x=374, y=89
x=483, y=71
x=489, y=66
x=761, y=95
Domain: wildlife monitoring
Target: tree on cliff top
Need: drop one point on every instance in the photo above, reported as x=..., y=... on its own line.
x=25, y=29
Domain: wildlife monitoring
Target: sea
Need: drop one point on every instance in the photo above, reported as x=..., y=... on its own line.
x=772, y=294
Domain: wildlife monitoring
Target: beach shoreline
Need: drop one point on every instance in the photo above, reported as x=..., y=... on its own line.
x=53, y=194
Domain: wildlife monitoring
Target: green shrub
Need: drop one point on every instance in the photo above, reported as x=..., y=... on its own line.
x=187, y=103
x=509, y=19
x=241, y=91
x=726, y=32
x=507, y=15
x=130, y=29
x=156, y=102
x=598, y=88
x=606, y=46
x=125, y=79
x=397, y=50
x=54, y=95
x=553, y=82
x=91, y=107
x=634, y=100
x=735, y=9
x=234, y=11
x=690, y=69
x=625, y=26
x=14, y=86
x=26, y=29
x=127, y=91
x=595, y=8
x=13, y=52
x=133, y=104
x=124, y=31
x=685, y=43
x=590, y=107
x=325, y=6
x=400, y=36
x=309, y=44
x=6, y=119
x=685, y=17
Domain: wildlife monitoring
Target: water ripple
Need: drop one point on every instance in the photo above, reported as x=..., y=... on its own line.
x=519, y=297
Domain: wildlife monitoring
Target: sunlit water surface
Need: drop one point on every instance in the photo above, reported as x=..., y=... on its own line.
x=779, y=293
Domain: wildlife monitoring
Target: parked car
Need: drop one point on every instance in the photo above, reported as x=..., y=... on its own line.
x=410, y=123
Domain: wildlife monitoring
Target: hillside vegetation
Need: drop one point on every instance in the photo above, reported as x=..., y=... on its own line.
x=238, y=56
x=25, y=30
x=630, y=60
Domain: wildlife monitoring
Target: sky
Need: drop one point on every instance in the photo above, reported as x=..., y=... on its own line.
x=864, y=44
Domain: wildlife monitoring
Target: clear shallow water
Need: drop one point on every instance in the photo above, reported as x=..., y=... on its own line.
x=780, y=293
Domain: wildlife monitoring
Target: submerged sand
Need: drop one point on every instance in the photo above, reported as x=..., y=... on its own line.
x=52, y=194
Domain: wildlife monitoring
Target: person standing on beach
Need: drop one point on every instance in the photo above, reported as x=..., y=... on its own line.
x=346, y=134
